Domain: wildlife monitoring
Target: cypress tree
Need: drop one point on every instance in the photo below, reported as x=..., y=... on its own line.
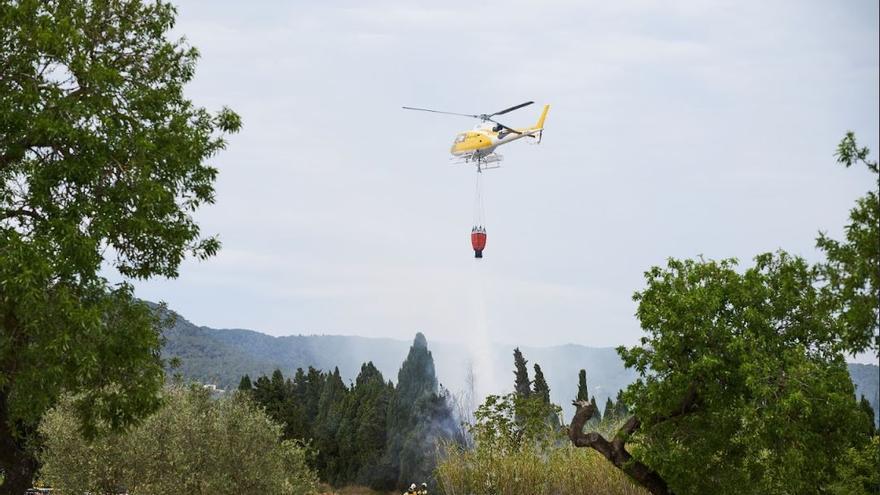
x=522, y=384
x=329, y=418
x=541, y=389
x=245, y=384
x=609, y=410
x=583, y=391
x=597, y=416
x=369, y=400
x=418, y=416
x=312, y=394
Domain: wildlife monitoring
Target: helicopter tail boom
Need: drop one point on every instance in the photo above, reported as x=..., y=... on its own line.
x=540, y=124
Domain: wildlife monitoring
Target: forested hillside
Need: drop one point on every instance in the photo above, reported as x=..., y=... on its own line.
x=222, y=357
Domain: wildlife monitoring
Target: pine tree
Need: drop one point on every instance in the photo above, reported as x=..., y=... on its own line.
x=541, y=389
x=583, y=391
x=608, y=415
x=245, y=384
x=522, y=384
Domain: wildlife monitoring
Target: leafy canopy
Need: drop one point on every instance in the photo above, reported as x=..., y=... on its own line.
x=743, y=385
x=740, y=389
x=102, y=162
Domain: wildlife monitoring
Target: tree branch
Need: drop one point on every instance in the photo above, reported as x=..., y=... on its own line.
x=615, y=450
x=21, y=212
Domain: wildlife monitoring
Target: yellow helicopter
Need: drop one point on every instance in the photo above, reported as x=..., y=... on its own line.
x=478, y=145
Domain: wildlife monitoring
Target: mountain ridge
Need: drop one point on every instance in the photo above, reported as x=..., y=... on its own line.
x=222, y=356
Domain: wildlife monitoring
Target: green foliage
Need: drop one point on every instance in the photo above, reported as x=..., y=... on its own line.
x=510, y=423
x=327, y=424
x=620, y=408
x=583, y=392
x=522, y=385
x=371, y=433
x=743, y=386
x=518, y=452
x=419, y=417
x=741, y=391
x=101, y=155
x=868, y=419
x=851, y=271
x=540, y=388
x=597, y=416
x=245, y=384
x=608, y=415
x=866, y=378
x=859, y=470
x=365, y=431
x=191, y=445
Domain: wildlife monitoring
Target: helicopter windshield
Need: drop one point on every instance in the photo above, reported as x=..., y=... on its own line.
x=460, y=138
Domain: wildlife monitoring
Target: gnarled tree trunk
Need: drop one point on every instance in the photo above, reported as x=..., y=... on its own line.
x=615, y=450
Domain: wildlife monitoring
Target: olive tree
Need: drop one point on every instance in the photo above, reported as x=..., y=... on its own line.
x=102, y=163
x=193, y=444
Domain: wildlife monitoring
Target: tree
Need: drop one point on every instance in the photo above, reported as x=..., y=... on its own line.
x=857, y=470
x=597, y=415
x=868, y=411
x=608, y=415
x=331, y=410
x=522, y=385
x=369, y=402
x=541, y=390
x=509, y=423
x=851, y=271
x=245, y=384
x=419, y=416
x=743, y=386
x=193, y=444
x=620, y=409
x=583, y=392
x=101, y=155
x=734, y=382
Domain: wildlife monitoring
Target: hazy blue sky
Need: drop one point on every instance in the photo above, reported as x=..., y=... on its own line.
x=678, y=128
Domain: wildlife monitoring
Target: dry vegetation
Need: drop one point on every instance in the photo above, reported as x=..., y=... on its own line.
x=325, y=489
x=561, y=471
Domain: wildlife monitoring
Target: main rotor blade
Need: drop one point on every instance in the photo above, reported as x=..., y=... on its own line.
x=502, y=112
x=438, y=111
x=505, y=127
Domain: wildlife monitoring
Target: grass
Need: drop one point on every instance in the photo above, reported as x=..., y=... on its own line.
x=325, y=489
x=560, y=471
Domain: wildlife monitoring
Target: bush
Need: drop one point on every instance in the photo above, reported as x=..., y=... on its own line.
x=193, y=444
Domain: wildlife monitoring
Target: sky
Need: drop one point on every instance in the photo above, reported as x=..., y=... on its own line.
x=677, y=129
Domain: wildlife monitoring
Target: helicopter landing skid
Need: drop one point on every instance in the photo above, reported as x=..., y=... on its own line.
x=484, y=162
